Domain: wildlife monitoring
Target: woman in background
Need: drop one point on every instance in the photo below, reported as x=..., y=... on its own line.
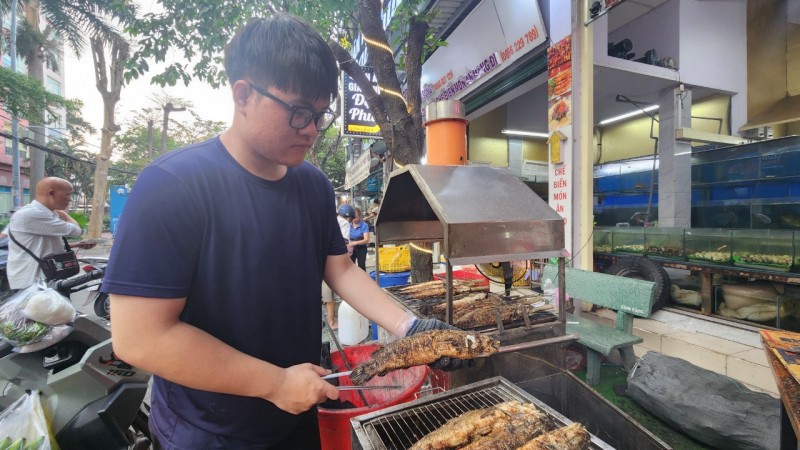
x=359, y=238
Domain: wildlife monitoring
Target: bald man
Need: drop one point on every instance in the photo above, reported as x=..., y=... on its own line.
x=39, y=226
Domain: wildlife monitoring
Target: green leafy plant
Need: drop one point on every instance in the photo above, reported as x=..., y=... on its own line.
x=81, y=218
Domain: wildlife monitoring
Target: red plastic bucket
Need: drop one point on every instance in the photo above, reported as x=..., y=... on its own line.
x=334, y=424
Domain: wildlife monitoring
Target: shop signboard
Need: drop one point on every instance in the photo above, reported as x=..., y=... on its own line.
x=357, y=119
x=559, y=114
x=494, y=35
x=358, y=172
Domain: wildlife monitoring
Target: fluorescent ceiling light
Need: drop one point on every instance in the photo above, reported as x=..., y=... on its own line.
x=525, y=133
x=630, y=114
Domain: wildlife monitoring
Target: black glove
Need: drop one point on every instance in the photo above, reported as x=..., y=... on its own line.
x=444, y=363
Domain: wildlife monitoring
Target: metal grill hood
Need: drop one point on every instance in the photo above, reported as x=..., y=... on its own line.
x=481, y=214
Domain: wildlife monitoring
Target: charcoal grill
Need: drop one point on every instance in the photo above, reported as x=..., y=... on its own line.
x=399, y=427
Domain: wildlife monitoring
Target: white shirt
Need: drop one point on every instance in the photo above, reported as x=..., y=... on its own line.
x=40, y=230
x=344, y=226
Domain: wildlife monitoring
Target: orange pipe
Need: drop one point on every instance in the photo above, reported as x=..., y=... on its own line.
x=446, y=134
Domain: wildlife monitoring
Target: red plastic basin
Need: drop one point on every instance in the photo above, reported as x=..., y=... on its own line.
x=334, y=424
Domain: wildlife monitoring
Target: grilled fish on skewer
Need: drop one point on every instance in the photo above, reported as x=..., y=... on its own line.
x=572, y=437
x=473, y=425
x=470, y=301
x=420, y=286
x=422, y=349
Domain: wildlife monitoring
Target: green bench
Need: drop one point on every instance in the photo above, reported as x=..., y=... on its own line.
x=628, y=296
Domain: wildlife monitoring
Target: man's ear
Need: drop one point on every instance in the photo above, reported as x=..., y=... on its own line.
x=241, y=95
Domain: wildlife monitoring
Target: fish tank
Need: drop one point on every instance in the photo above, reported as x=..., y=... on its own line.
x=711, y=245
x=763, y=249
x=628, y=240
x=665, y=242
x=602, y=240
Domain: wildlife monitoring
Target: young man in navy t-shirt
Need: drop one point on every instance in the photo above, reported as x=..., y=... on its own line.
x=217, y=263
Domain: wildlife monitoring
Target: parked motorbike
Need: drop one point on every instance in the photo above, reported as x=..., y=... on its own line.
x=99, y=299
x=95, y=400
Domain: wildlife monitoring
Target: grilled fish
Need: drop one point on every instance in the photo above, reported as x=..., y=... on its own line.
x=422, y=349
x=472, y=425
x=485, y=316
x=468, y=302
x=510, y=435
x=436, y=288
x=572, y=437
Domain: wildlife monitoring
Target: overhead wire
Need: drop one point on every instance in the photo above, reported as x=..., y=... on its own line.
x=52, y=151
x=57, y=130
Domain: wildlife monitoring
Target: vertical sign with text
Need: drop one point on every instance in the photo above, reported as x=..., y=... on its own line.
x=559, y=114
x=357, y=119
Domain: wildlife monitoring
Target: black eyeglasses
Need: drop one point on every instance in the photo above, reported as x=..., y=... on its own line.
x=301, y=116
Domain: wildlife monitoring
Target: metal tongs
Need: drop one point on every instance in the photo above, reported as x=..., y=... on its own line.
x=337, y=375
x=365, y=388
x=357, y=388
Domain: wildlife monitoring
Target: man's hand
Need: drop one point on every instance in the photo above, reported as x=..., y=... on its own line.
x=301, y=388
x=84, y=244
x=62, y=215
x=444, y=363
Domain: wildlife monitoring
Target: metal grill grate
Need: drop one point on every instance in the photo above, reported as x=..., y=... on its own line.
x=399, y=427
x=400, y=431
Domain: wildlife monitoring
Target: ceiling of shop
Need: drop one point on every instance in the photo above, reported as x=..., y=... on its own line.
x=630, y=10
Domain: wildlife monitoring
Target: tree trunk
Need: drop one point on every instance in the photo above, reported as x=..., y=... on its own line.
x=109, y=85
x=35, y=60
x=400, y=118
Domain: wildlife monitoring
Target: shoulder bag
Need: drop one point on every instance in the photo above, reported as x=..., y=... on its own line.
x=56, y=266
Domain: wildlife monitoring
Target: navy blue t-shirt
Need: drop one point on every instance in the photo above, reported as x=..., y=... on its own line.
x=249, y=255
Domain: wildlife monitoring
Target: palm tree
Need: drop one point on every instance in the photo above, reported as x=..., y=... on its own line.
x=68, y=22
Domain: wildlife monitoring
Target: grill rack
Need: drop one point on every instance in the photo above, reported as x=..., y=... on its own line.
x=398, y=427
x=424, y=307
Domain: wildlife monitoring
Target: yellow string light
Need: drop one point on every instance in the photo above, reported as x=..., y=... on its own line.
x=378, y=44
x=420, y=248
x=395, y=93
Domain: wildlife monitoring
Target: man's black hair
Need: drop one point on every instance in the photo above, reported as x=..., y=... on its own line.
x=285, y=52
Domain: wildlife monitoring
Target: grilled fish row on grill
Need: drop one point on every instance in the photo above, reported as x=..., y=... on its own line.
x=571, y=437
x=485, y=316
x=436, y=288
x=422, y=349
x=507, y=426
x=472, y=426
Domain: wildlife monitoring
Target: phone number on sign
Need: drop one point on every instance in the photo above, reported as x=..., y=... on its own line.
x=529, y=37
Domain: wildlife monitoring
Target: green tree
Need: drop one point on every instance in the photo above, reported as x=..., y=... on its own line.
x=132, y=144
x=74, y=163
x=203, y=27
x=68, y=22
x=26, y=98
x=330, y=155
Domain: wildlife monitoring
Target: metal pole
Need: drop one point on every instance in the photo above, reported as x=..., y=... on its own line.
x=16, y=186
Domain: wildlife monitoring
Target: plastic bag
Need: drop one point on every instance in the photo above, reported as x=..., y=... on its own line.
x=49, y=307
x=23, y=425
x=19, y=330
x=53, y=335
